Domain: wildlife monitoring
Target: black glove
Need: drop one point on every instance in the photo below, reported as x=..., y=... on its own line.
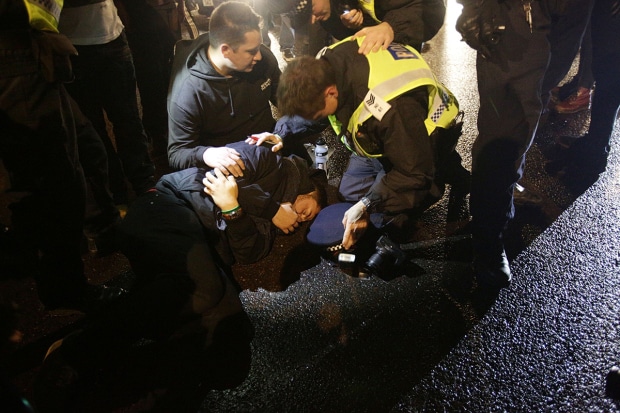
x=479, y=27
x=468, y=25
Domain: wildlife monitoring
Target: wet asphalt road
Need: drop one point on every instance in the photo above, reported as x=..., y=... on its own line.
x=430, y=340
x=433, y=341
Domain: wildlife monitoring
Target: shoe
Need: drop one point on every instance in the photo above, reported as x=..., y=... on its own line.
x=288, y=55
x=491, y=269
x=612, y=383
x=566, y=142
x=576, y=102
x=556, y=167
x=91, y=299
x=56, y=383
x=525, y=197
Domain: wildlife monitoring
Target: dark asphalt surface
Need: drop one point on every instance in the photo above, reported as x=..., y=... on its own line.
x=434, y=341
x=430, y=340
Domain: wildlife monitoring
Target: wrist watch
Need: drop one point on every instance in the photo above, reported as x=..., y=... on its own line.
x=366, y=203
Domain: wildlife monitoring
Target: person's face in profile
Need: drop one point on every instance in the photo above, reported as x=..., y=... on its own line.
x=306, y=207
x=245, y=57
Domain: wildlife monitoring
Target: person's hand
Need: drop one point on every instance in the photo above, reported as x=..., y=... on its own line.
x=222, y=188
x=270, y=138
x=353, y=19
x=286, y=218
x=376, y=37
x=469, y=26
x=355, y=222
x=227, y=160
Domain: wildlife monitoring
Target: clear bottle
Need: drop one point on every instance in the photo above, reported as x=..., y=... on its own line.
x=320, y=154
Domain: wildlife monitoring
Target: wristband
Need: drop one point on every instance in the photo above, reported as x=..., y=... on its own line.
x=233, y=214
x=231, y=210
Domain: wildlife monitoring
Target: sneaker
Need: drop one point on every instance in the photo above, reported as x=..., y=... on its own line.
x=577, y=102
x=288, y=55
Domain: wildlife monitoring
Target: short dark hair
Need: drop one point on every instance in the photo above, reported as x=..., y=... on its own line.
x=302, y=86
x=229, y=23
x=319, y=180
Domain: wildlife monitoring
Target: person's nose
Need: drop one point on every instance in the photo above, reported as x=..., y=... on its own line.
x=258, y=56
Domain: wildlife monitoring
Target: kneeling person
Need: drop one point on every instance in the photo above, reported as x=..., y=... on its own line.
x=398, y=121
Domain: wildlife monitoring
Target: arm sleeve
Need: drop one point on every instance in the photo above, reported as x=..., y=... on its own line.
x=248, y=239
x=184, y=150
x=416, y=21
x=408, y=150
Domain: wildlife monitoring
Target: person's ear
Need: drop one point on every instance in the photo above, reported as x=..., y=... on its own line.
x=331, y=91
x=225, y=49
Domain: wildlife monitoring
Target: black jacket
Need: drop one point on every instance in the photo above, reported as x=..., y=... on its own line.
x=408, y=157
x=267, y=180
x=206, y=109
x=413, y=21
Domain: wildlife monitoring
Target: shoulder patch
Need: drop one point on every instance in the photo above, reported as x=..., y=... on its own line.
x=398, y=52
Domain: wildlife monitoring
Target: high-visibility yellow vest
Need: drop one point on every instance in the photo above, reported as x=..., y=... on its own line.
x=369, y=7
x=44, y=14
x=393, y=72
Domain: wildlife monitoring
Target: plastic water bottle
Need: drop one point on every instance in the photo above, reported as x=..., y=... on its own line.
x=320, y=154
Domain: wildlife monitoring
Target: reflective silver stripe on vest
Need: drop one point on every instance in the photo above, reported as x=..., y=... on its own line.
x=391, y=85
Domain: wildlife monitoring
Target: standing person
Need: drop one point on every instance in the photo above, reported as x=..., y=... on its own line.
x=181, y=239
x=105, y=80
x=511, y=38
x=396, y=167
x=152, y=41
x=381, y=22
x=222, y=88
x=38, y=145
x=586, y=157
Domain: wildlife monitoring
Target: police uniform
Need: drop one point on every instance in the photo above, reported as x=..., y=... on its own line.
x=510, y=67
x=389, y=105
x=413, y=21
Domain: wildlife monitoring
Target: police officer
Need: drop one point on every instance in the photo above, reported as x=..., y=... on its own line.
x=511, y=37
x=383, y=106
x=381, y=22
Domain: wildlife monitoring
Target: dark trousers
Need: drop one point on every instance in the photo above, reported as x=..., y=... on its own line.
x=105, y=81
x=179, y=299
x=509, y=85
x=38, y=145
x=152, y=46
x=566, y=36
x=593, y=149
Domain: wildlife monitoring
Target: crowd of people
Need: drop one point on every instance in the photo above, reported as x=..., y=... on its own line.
x=89, y=91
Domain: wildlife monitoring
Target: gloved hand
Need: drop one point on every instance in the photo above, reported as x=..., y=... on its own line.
x=468, y=25
x=355, y=222
x=479, y=27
